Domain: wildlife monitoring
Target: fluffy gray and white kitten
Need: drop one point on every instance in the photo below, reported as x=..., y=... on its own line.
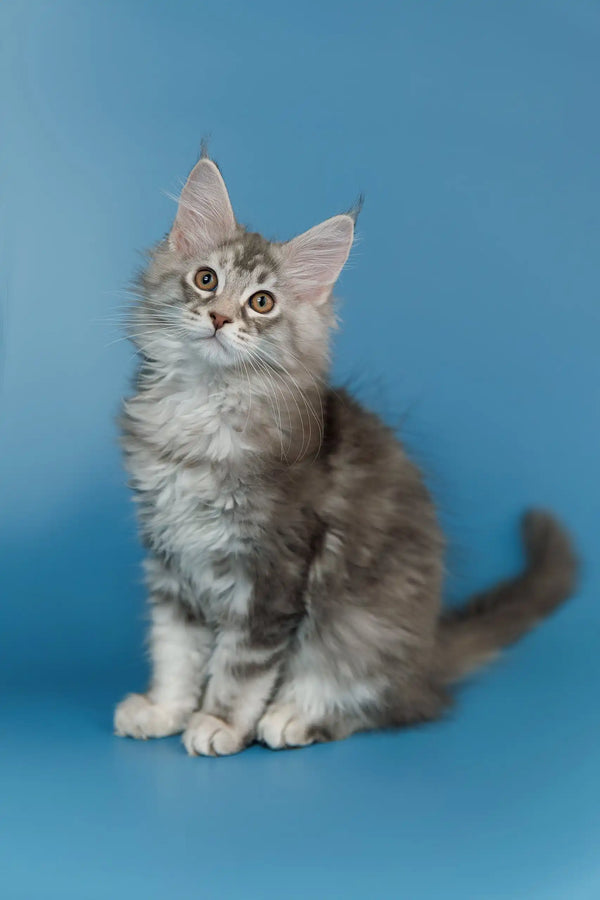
x=294, y=557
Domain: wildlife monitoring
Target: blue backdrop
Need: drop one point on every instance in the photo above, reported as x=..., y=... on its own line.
x=473, y=130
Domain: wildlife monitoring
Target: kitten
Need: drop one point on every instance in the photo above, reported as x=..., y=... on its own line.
x=294, y=557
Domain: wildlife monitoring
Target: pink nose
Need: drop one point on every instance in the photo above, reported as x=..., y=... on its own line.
x=219, y=320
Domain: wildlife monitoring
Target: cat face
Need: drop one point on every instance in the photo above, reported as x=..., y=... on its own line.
x=218, y=296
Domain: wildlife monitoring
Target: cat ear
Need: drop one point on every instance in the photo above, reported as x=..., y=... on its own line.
x=314, y=260
x=204, y=218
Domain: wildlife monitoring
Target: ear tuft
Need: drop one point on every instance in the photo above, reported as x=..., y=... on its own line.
x=204, y=218
x=204, y=154
x=314, y=260
x=355, y=210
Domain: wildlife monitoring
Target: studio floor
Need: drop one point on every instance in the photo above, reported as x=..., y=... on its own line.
x=500, y=800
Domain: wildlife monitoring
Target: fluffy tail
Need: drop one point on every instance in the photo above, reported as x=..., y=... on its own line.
x=474, y=633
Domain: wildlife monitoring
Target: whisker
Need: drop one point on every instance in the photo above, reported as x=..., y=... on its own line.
x=305, y=441
x=268, y=373
x=271, y=397
x=275, y=391
x=243, y=362
x=309, y=407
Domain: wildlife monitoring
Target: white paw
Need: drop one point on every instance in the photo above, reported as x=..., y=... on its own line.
x=138, y=717
x=283, y=726
x=209, y=736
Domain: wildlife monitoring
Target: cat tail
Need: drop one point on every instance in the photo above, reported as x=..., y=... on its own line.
x=474, y=633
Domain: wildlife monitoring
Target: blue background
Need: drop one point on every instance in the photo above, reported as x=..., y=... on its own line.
x=471, y=319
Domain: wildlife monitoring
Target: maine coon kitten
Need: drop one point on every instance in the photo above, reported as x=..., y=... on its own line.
x=294, y=557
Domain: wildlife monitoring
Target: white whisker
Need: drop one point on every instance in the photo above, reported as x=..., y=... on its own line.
x=309, y=407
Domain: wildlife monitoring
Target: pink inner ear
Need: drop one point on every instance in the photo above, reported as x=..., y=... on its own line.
x=315, y=259
x=204, y=218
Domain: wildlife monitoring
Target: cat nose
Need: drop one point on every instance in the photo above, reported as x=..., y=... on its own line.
x=219, y=320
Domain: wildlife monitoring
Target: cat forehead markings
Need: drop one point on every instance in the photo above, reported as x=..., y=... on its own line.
x=251, y=252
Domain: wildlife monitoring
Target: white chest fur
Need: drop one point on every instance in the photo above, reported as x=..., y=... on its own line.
x=188, y=455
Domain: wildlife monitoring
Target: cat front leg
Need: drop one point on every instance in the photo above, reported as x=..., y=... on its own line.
x=242, y=676
x=180, y=648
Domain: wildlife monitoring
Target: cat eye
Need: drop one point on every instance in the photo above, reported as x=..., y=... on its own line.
x=261, y=302
x=206, y=279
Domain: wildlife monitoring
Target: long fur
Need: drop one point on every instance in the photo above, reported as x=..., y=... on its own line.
x=295, y=561
x=473, y=634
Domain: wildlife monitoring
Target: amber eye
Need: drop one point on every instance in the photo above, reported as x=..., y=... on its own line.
x=261, y=302
x=206, y=279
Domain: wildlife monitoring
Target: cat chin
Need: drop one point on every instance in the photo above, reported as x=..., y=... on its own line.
x=215, y=352
x=211, y=346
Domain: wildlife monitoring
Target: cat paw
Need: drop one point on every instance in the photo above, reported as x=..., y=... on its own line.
x=284, y=725
x=207, y=735
x=138, y=717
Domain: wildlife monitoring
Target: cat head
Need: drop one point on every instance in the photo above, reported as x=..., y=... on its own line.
x=217, y=296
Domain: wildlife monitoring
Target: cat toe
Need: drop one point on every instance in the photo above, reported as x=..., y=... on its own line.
x=282, y=726
x=210, y=736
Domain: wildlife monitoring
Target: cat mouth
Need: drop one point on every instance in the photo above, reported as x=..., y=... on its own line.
x=210, y=337
x=212, y=346
x=213, y=341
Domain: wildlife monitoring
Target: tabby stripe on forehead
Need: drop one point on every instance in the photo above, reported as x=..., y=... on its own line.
x=253, y=252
